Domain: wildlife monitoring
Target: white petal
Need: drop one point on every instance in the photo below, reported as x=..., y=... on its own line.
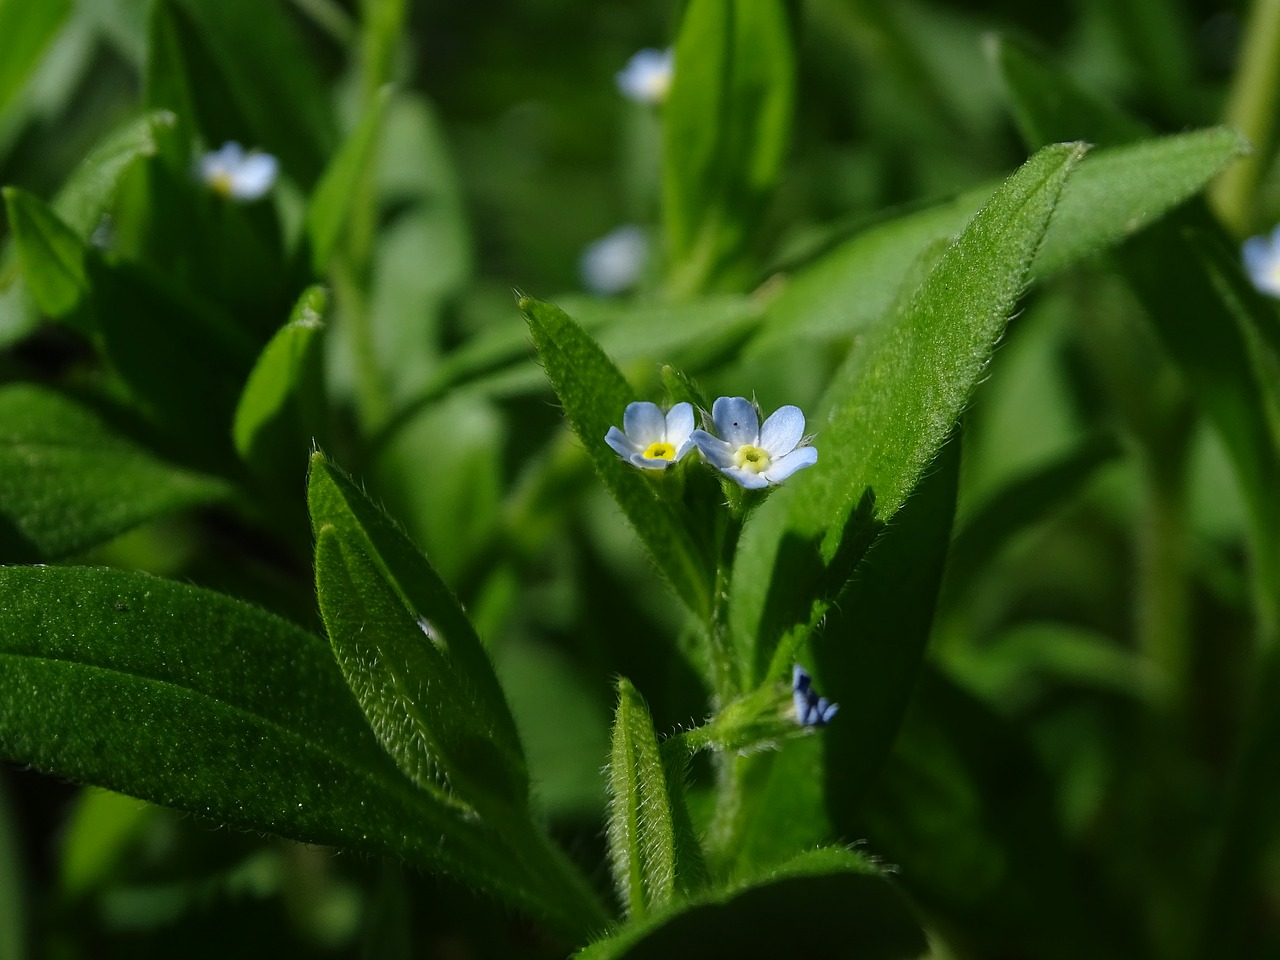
x=747, y=478
x=782, y=431
x=650, y=463
x=621, y=444
x=784, y=467
x=716, y=452
x=736, y=421
x=1257, y=255
x=647, y=75
x=255, y=176
x=644, y=423
x=679, y=424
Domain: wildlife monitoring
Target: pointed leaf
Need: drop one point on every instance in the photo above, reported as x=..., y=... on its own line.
x=341, y=184
x=827, y=902
x=727, y=124
x=594, y=395
x=52, y=255
x=895, y=401
x=1121, y=190
x=193, y=700
x=279, y=378
x=69, y=480
x=411, y=656
x=642, y=842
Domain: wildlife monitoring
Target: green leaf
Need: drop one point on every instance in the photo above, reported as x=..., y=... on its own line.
x=342, y=183
x=52, y=255
x=594, y=395
x=727, y=125
x=894, y=403
x=879, y=627
x=1121, y=190
x=409, y=653
x=69, y=480
x=98, y=834
x=279, y=382
x=193, y=700
x=855, y=285
x=826, y=902
x=28, y=29
x=641, y=831
x=92, y=186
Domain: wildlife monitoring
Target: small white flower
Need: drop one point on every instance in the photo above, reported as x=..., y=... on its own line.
x=236, y=174
x=651, y=440
x=647, y=75
x=753, y=455
x=1262, y=260
x=614, y=263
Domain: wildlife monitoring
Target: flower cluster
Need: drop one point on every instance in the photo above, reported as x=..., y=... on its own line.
x=752, y=454
x=231, y=172
x=811, y=709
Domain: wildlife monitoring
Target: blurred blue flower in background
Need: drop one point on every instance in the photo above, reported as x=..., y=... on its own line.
x=614, y=263
x=754, y=455
x=652, y=440
x=233, y=173
x=1262, y=261
x=811, y=709
x=647, y=76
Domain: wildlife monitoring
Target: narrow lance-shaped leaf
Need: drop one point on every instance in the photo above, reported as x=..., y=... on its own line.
x=642, y=841
x=828, y=902
x=594, y=395
x=896, y=400
x=275, y=386
x=727, y=124
x=408, y=651
x=346, y=175
x=52, y=255
x=69, y=480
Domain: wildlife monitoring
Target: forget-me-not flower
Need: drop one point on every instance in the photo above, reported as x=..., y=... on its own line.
x=652, y=440
x=754, y=455
x=1262, y=261
x=811, y=709
x=614, y=263
x=647, y=76
x=238, y=175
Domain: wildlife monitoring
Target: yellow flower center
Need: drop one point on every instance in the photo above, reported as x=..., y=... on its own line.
x=751, y=458
x=660, y=450
x=221, y=183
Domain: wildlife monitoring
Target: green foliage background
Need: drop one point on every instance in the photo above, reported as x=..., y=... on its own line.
x=329, y=625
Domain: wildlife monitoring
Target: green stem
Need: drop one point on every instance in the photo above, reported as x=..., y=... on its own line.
x=725, y=678
x=372, y=402
x=1251, y=109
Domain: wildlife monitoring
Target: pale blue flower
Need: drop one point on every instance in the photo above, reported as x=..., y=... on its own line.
x=236, y=174
x=647, y=75
x=753, y=455
x=1262, y=261
x=652, y=440
x=614, y=263
x=811, y=709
